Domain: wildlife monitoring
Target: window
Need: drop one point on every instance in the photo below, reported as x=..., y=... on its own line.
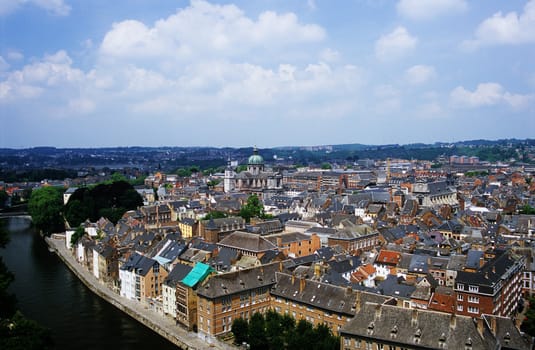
x=460, y=286
x=459, y=307
x=473, y=310
x=474, y=289
x=473, y=299
x=460, y=297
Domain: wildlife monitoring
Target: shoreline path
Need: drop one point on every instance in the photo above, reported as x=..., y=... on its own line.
x=162, y=325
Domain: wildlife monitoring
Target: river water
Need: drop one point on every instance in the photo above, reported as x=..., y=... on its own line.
x=48, y=292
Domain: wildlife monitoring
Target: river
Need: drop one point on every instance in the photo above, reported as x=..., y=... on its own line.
x=48, y=292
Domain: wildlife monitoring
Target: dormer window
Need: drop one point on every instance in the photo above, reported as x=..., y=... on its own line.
x=371, y=326
x=394, y=331
x=468, y=344
x=474, y=289
x=417, y=335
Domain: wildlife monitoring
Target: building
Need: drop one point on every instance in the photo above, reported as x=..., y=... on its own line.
x=494, y=289
x=381, y=327
x=248, y=244
x=141, y=278
x=228, y=296
x=214, y=230
x=169, y=288
x=188, y=227
x=256, y=178
x=186, y=295
x=317, y=302
x=430, y=194
x=295, y=244
x=355, y=238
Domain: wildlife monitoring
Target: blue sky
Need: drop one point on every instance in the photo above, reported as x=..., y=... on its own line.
x=106, y=73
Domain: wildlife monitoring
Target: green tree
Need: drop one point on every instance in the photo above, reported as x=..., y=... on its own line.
x=324, y=339
x=302, y=337
x=3, y=199
x=213, y=183
x=257, y=332
x=240, y=329
x=527, y=209
x=253, y=208
x=183, y=172
x=78, y=233
x=326, y=166
x=104, y=200
x=274, y=330
x=215, y=214
x=116, y=176
x=528, y=325
x=76, y=212
x=241, y=168
x=45, y=207
x=24, y=334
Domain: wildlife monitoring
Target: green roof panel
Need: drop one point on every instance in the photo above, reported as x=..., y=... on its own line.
x=197, y=274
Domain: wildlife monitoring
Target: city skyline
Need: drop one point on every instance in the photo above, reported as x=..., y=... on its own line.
x=265, y=73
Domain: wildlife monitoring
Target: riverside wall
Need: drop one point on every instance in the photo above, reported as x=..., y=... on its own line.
x=158, y=323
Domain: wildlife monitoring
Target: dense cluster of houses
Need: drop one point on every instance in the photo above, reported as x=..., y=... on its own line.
x=387, y=259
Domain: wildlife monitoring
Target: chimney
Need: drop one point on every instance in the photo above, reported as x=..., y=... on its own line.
x=279, y=242
x=357, y=302
x=317, y=270
x=480, y=326
x=302, y=282
x=377, y=311
x=414, y=318
x=481, y=262
x=493, y=325
x=293, y=279
x=280, y=266
x=453, y=321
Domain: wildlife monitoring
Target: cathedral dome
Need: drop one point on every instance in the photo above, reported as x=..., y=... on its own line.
x=255, y=158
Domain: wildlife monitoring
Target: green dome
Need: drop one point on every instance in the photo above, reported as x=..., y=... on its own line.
x=255, y=158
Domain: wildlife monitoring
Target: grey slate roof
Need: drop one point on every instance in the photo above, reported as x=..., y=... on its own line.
x=139, y=263
x=412, y=328
x=320, y=295
x=239, y=281
x=246, y=241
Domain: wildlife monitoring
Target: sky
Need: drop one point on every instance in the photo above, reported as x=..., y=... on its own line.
x=100, y=73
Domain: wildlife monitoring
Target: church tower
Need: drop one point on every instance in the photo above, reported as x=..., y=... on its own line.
x=229, y=183
x=255, y=164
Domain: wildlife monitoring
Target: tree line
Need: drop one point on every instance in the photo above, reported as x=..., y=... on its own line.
x=275, y=331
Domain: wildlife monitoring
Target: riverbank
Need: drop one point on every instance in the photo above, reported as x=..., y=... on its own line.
x=162, y=325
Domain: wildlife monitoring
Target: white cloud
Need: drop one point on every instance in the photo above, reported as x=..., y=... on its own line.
x=209, y=30
x=14, y=55
x=81, y=106
x=488, y=94
x=429, y=9
x=137, y=71
x=55, y=7
x=395, y=44
x=420, y=74
x=329, y=55
x=52, y=72
x=3, y=64
x=311, y=4
x=511, y=29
